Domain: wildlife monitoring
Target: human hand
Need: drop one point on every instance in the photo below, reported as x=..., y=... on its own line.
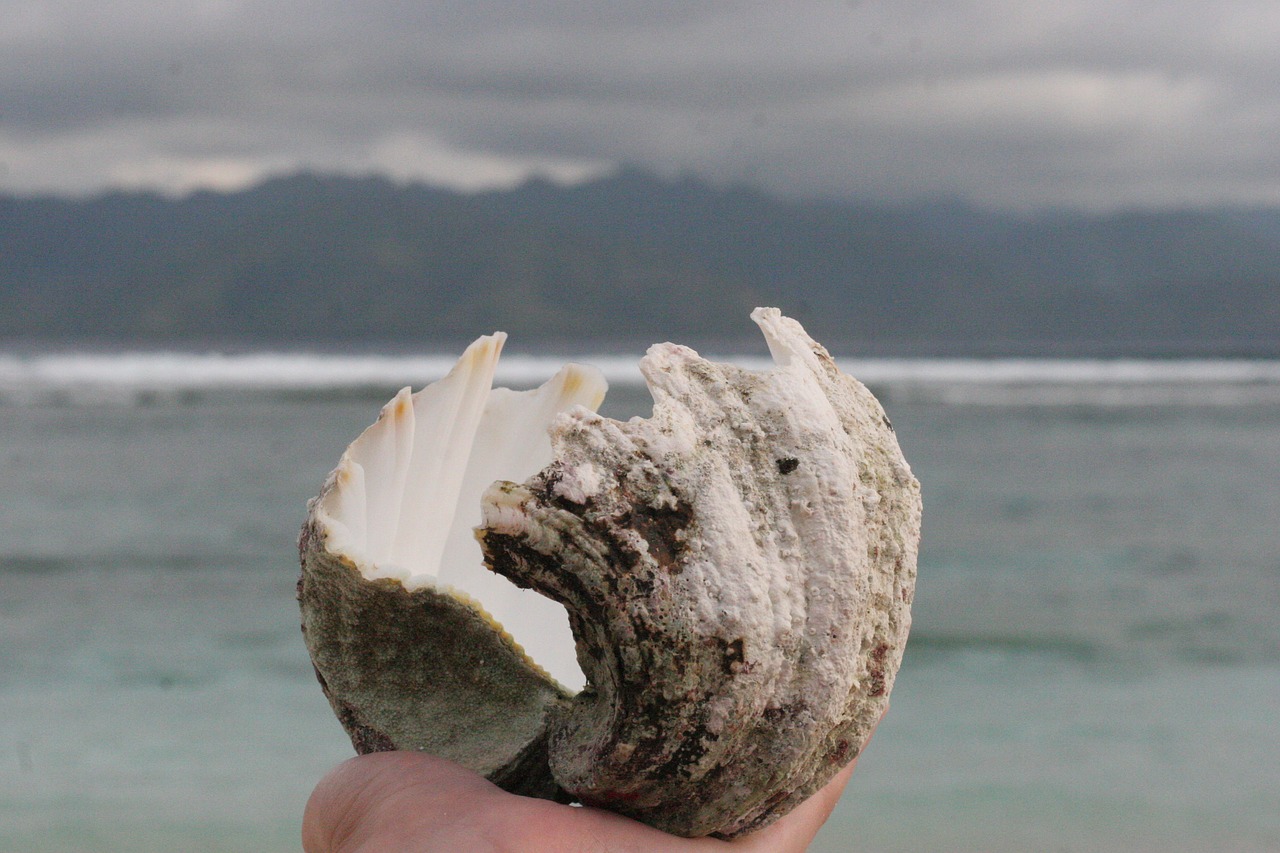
x=410, y=802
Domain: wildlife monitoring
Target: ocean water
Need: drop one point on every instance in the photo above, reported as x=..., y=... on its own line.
x=1094, y=665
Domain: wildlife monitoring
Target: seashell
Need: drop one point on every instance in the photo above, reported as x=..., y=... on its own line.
x=725, y=586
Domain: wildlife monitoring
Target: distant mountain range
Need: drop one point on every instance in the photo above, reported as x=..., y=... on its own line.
x=320, y=260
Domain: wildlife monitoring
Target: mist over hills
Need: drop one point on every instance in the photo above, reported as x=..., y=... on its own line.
x=629, y=259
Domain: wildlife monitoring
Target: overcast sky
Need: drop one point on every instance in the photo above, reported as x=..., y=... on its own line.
x=1098, y=104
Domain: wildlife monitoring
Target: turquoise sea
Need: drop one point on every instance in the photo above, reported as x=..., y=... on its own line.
x=1095, y=662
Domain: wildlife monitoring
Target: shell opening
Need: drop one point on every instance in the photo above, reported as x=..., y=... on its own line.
x=406, y=493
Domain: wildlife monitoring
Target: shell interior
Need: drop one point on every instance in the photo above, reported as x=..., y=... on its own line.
x=406, y=497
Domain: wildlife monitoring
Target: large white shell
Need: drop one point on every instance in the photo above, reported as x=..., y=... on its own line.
x=737, y=572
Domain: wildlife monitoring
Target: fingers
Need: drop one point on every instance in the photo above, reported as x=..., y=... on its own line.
x=797, y=829
x=405, y=802
x=409, y=802
x=393, y=801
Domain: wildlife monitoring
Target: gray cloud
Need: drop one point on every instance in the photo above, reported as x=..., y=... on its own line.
x=1011, y=103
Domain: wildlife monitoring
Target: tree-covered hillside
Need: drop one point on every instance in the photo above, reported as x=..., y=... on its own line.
x=324, y=259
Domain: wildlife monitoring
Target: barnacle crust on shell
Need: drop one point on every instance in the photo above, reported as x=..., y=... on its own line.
x=737, y=572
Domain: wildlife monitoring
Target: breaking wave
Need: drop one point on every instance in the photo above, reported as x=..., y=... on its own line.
x=132, y=377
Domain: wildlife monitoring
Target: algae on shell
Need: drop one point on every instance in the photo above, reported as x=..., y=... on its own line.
x=737, y=572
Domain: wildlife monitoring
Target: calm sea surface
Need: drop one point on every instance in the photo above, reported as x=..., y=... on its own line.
x=1095, y=662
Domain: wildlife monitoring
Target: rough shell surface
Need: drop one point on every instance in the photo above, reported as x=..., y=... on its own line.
x=738, y=571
